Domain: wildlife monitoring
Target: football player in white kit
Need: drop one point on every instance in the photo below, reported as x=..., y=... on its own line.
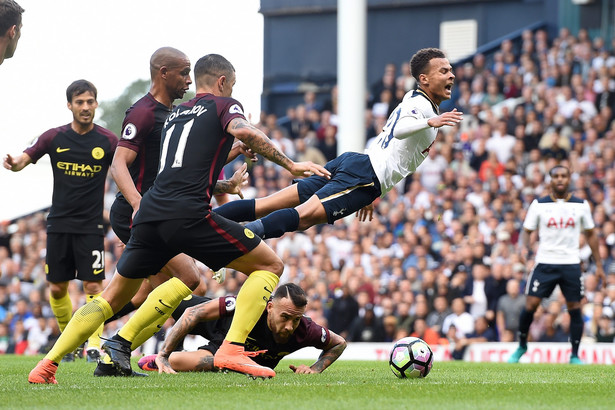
x=357, y=179
x=559, y=219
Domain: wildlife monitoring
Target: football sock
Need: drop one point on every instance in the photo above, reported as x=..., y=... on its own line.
x=525, y=321
x=276, y=223
x=128, y=307
x=94, y=339
x=251, y=301
x=84, y=322
x=576, y=330
x=161, y=302
x=62, y=309
x=238, y=211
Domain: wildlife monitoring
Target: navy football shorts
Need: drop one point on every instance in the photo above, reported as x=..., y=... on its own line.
x=544, y=277
x=121, y=220
x=213, y=240
x=75, y=256
x=352, y=186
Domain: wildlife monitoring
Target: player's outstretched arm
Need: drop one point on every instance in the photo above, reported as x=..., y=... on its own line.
x=330, y=353
x=17, y=163
x=261, y=144
x=233, y=185
x=408, y=125
x=191, y=317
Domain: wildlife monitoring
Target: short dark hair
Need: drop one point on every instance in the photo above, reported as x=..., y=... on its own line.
x=79, y=87
x=295, y=293
x=420, y=61
x=213, y=65
x=10, y=15
x=558, y=166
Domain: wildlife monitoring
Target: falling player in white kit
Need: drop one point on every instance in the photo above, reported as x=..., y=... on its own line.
x=560, y=219
x=358, y=179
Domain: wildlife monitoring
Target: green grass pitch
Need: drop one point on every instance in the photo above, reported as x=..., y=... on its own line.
x=345, y=385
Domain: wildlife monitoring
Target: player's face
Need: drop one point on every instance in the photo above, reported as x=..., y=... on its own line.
x=178, y=79
x=83, y=107
x=560, y=180
x=283, y=317
x=440, y=79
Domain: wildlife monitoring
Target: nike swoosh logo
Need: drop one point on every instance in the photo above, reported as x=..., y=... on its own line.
x=97, y=271
x=163, y=304
x=267, y=290
x=60, y=150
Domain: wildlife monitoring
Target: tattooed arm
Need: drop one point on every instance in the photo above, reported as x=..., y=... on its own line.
x=191, y=317
x=330, y=353
x=233, y=185
x=259, y=143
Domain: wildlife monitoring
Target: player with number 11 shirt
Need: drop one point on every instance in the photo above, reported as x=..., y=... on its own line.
x=175, y=217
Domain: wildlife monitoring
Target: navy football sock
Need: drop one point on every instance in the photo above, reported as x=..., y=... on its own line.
x=238, y=211
x=576, y=330
x=524, y=326
x=276, y=224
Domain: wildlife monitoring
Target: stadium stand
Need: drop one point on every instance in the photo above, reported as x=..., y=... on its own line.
x=443, y=238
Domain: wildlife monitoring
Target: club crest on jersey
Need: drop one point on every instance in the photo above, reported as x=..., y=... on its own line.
x=235, y=109
x=130, y=130
x=98, y=153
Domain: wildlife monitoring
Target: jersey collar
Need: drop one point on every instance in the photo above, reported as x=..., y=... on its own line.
x=433, y=105
x=566, y=199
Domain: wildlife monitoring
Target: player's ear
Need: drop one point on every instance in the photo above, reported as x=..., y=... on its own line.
x=12, y=31
x=221, y=82
x=163, y=71
x=423, y=79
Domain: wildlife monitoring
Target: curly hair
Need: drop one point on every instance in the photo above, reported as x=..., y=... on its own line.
x=419, y=63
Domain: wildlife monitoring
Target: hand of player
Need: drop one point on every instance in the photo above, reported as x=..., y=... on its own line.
x=238, y=180
x=246, y=151
x=600, y=275
x=163, y=365
x=448, y=118
x=9, y=162
x=366, y=213
x=308, y=168
x=301, y=369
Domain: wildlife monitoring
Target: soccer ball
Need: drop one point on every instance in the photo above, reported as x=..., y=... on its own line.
x=410, y=358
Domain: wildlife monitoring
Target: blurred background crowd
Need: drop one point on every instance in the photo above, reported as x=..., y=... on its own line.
x=439, y=260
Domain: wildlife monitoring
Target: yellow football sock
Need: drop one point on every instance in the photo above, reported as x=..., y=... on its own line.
x=94, y=339
x=251, y=301
x=62, y=309
x=161, y=302
x=84, y=322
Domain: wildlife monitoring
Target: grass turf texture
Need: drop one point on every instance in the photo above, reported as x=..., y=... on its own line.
x=345, y=385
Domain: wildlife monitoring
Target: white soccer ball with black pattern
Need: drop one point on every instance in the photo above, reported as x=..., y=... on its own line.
x=410, y=358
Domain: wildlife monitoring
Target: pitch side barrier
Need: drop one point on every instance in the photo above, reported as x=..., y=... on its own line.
x=596, y=353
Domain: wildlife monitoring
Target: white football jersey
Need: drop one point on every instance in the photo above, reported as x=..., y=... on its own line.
x=392, y=158
x=559, y=223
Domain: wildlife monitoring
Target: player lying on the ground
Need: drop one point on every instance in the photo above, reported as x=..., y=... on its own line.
x=281, y=330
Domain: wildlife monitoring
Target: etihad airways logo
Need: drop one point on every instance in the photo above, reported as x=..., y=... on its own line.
x=79, y=170
x=197, y=110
